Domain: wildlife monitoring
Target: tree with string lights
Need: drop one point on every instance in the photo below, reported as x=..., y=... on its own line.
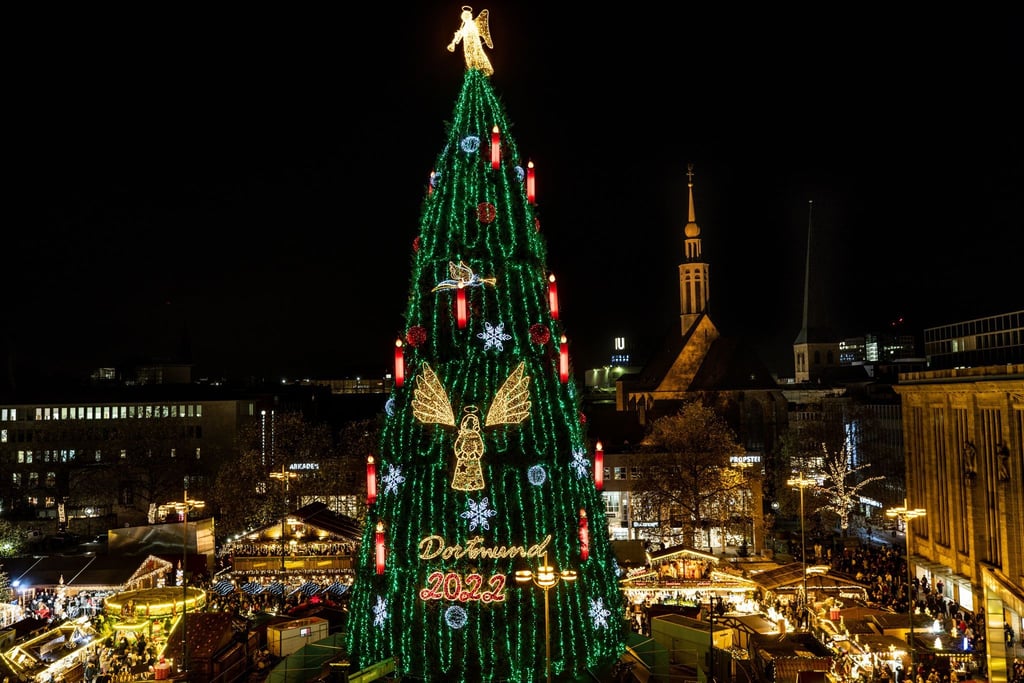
x=483, y=473
x=842, y=493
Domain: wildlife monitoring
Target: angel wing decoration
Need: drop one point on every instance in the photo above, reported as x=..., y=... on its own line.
x=471, y=34
x=511, y=404
x=431, y=405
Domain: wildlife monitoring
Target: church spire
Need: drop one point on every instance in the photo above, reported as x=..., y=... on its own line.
x=816, y=347
x=693, y=271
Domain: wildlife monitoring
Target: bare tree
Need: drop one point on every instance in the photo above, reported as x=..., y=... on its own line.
x=686, y=475
x=344, y=474
x=246, y=496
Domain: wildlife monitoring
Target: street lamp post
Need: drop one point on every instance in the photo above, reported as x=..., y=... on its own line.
x=546, y=578
x=908, y=515
x=285, y=476
x=714, y=602
x=744, y=468
x=182, y=508
x=803, y=482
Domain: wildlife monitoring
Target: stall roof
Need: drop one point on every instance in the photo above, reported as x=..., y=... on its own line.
x=668, y=553
x=791, y=653
x=318, y=515
x=74, y=571
x=792, y=575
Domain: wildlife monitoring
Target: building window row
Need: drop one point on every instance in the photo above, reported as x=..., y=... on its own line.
x=109, y=412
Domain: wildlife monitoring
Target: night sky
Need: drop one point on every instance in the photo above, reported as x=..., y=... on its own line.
x=252, y=181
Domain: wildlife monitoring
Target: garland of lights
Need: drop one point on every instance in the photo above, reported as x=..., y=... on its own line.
x=482, y=464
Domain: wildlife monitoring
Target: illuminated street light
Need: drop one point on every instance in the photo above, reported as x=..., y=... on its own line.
x=285, y=476
x=546, y=578
x=745, y=472
x=801, y=482
x=182, y=508
x=908, y=515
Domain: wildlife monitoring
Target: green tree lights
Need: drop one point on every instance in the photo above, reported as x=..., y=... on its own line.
x=483, y=466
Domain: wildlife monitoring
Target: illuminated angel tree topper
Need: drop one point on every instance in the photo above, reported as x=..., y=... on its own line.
x=487, y=437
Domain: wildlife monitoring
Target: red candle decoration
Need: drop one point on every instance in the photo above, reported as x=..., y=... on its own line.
x=399, y=363
x=380, y=547
x=371, y=481
x=531, y=184
x=495, y=147
x=460, y=306
x=553, y=296
x=584, y=535
x=563, y=360
x=599, y=466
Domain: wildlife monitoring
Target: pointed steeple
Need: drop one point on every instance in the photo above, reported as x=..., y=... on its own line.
x=816, y=347
x=693, y=271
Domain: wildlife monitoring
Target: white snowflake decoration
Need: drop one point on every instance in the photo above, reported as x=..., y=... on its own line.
x=580, y=463
x=478, y=514
x=599, y=613
x=380, y=612
x=392, y=479
x=494, y=336
x=536, y=475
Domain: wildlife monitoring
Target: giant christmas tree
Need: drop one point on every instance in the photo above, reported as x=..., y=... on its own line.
x=483, y=468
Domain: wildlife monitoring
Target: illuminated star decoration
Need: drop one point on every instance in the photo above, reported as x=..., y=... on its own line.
x=599, y=613
x=478, y=513
x=462, y=275
x=392, y=479
x=380, y=612
x=494, y=336
x=536, y=475
x=580, y=463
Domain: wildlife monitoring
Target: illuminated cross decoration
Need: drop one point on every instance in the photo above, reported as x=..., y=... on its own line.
x=431, y=405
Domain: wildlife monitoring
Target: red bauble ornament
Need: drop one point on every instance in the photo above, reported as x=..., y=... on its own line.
x=416, y=243
x=486, y=212
x=539, y=334
x=536, y=224
x=583, y=418
x=416, y=335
